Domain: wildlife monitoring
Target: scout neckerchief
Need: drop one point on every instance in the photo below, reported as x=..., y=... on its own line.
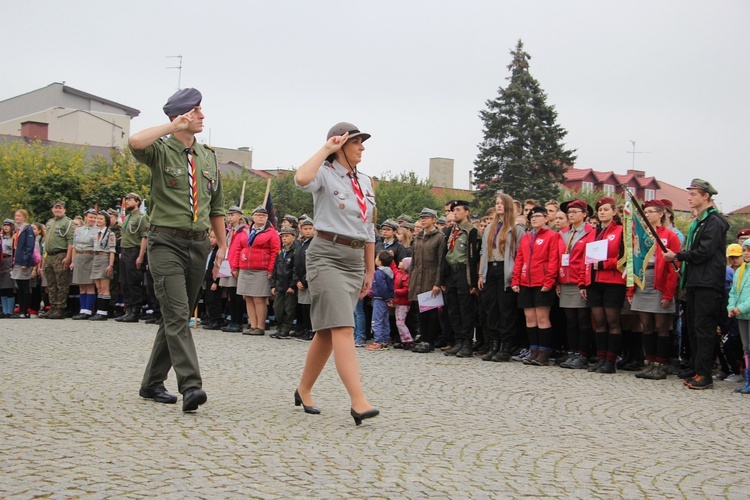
x=453, y=238
x=493, y=243
x=358, y=194
x=192, y=177
x=691, y=236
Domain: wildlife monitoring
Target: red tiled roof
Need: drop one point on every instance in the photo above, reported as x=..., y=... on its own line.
x=645, y=182
x=576, y=174
x=676, y=195
x=605, y=176
x=741, y=211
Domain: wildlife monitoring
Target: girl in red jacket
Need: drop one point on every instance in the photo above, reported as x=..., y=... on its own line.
x=655, y=302
x=603, y=286
x=252, y=256
x=402, y=302
x=534, y=278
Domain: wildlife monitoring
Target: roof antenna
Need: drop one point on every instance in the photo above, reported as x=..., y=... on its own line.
x=178, y=68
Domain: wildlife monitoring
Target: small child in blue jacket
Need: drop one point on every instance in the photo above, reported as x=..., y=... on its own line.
x=739, y=307
x=382, y=292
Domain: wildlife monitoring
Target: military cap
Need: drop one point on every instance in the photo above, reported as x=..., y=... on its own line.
x=428, y=212
x=90, y=211
x=702, y=185
x=459, y=203
x=59, y=203
x=441, y=220
x=234, y=209
x=182, y=101
x=260, y=209
x=133, y=196
x=290, y=218
x=9, y=222
x=404, y=217
x=112, y=211
x=536, y=210
x=304, y=216
x=475, y=217
x=408, y=225
x=343, y=127
x=655, y=204
x=306, y=222
x=743, y=232
x=604, y=201
x=390, y=223
x=288, y=230
x=579, y=204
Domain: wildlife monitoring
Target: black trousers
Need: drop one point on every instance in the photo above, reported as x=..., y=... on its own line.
x=131, y=280
x=212, y=302
x=703, y=309
x=460, y=304
x=429, y=323
x=501, y=306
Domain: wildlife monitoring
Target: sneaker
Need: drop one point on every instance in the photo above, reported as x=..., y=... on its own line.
x=579, y=362
x=359, y=344
x=720, y=375
x=524, y=354
x=650, y=365
x=307, y=337
x=377, y=347
x=735, y=377
x=700, y=382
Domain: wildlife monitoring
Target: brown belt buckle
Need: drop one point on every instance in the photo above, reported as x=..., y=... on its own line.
x=356, y=243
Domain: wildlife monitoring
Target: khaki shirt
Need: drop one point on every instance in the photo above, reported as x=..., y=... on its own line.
x=84, y=238
x=459, y=253
x=170, y=187
x=134, y=229
x=59, y=234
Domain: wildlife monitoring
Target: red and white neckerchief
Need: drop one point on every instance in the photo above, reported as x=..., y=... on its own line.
x=358, y=193
x=193, y=179
x=453, y=238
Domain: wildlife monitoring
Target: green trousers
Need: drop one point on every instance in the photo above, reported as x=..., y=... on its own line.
x=178, y=266
x=58, y=280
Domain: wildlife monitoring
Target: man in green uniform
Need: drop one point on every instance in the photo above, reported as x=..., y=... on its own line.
x=132, y=255
x=56, y=265
x=187, y=199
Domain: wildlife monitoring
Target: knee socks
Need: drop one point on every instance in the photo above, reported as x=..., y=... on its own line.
x=8, y=304
x=650, y=345
x=614, y=346
x=545, y=338
x=601, y=344
x=533, y=333
x=87, y=301
x=663, y=349
x=102, y=302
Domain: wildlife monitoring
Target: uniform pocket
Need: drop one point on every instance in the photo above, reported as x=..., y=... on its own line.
x=175, y=177
x=311, y=274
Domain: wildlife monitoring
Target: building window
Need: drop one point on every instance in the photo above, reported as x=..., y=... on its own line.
x=587, y=186
x=609, y=189
x=650, y=194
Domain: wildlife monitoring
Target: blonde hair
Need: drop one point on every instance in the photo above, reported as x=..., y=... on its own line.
x=406, y=236
x=508, y=221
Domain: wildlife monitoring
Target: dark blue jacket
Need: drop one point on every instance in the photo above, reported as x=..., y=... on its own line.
x=24, y=252
x=382, y=284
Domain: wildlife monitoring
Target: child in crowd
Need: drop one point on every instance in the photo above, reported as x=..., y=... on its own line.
x=401, y=302
x=283, y=288
x=739, y=307
x=211, y=290
x=382, y=292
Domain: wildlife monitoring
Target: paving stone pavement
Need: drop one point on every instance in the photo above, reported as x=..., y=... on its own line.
x=72, y=425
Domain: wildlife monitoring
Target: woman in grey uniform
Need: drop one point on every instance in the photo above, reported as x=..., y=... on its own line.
x=103, y=265
x=81, y=263
x=340, y=261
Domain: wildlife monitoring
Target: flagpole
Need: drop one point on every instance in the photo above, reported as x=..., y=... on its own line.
x=242, y=195
x=268, y=190
x=658, y=241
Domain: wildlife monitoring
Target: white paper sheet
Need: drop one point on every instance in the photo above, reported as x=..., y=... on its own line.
x=427, y=301
x=596, y=251
x=225, y=270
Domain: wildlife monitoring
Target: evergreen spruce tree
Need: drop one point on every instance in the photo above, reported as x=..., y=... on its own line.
x=522, y=153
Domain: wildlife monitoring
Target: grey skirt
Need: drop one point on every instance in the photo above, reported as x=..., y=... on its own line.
x=82, y=269
x=253, y=284
x=570, y=297
x=648, y=300
x=5, y=280
x=335, y=274
x=228, y=282
x=303, y=296
x=99, y=267
x=17, y=273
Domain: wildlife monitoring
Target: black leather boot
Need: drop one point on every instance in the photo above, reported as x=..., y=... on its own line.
x=457, y=344
x=494, y=347
x=503, y=354
x=466, y=350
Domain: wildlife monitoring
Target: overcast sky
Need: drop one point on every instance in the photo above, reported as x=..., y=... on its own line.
x=673, y=76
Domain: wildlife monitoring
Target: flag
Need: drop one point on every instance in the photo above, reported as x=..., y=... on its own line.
x=271, y=212
x=643, y=248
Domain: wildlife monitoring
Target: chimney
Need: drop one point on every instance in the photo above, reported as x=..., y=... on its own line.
x=640, y=174
x=34, y=130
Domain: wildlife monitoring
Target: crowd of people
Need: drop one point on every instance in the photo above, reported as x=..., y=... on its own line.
x=516, y=283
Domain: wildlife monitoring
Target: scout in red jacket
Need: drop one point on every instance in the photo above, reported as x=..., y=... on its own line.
x=603, y=286
x=577, y=312
x=655, y=302
x=534, y=279
x=252, y=256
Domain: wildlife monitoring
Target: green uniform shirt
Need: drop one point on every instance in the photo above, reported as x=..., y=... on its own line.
x=59, y=234
x=170, y=187
x=460, y=252
x=134, y=228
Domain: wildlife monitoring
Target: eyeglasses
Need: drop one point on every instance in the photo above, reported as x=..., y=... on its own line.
x=536, y=216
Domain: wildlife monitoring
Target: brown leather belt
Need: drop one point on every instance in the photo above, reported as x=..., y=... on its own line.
x=101, y=253
x=187, y=235
x=341, y=240
x=87, y=253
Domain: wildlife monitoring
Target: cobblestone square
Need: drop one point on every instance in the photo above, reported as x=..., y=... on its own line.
x=72, y=425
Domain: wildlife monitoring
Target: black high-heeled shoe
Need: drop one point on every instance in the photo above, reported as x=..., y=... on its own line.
x=312, y=410
x=359, y=417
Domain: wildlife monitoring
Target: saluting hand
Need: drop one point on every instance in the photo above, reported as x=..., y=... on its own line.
x=334, y=143
x=182, y=122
